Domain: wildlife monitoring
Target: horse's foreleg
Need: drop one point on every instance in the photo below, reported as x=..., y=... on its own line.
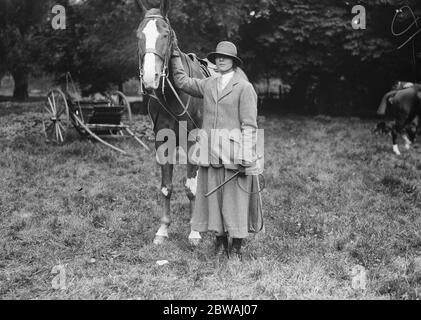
x=410, y=131
x=408, y=142
x=164, y=202
x=398, y=129
x=394, y=133
x=190, y=187
x=395, y=144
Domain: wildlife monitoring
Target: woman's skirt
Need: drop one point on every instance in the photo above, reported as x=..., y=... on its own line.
x=235, y=208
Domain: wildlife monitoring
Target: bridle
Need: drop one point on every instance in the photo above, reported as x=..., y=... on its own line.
x=164, y=57
x=164, y=72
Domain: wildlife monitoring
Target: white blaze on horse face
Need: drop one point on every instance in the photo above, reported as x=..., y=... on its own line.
x=151, y=35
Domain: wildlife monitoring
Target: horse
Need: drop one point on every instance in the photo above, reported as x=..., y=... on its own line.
x=403, y=106
x=169, y=108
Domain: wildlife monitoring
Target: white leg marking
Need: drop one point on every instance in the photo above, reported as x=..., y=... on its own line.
x=163, y=231
x=165, y=192
x=151, y=35
x=194, y=235
x=194, y=238
x=408, y=142
x=191, y=184
x=396, y=150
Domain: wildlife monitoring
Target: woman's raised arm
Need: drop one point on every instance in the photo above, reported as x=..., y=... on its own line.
x=191, y=86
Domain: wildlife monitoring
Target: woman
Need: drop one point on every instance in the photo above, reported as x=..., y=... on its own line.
x=230, y=102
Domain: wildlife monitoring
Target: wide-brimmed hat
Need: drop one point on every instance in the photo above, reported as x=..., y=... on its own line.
x=225, y=48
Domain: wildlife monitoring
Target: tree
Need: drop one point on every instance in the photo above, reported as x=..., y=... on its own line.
x=20, y=21
x=99, y=46
x=311, y=45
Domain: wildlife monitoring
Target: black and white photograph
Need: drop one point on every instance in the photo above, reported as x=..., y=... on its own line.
x=210, y=150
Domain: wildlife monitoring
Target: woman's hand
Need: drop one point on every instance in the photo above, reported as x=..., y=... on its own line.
x=254, y=170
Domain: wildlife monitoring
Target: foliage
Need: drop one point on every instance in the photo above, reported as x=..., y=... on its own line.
x=99, y=45
x=309, y=44
x=20, y=23
x=312, y=45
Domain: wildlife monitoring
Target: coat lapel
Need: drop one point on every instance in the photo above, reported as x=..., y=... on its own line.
x=229, y=87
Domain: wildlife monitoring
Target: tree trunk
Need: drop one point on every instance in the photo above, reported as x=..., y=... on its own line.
x=20, y=92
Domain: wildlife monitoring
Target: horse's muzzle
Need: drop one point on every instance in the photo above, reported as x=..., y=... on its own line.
x=151, y=83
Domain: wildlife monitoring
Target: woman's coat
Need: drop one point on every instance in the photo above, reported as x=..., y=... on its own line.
x=234, y=109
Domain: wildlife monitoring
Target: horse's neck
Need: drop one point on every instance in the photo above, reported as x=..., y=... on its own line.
x=186, y=65
x=193, y=66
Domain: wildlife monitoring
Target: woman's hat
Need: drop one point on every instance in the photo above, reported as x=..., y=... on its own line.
x=225, y=48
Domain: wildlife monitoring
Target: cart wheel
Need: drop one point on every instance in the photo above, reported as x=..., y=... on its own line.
x=118, y=98
x=56, y=116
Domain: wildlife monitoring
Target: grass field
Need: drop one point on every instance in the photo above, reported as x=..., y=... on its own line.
x=336, y=197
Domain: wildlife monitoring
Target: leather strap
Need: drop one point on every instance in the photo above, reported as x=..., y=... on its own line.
x=154, y=51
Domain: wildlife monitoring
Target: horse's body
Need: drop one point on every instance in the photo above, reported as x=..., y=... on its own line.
x=165, y=109
x=403, y=107
x=162, y=119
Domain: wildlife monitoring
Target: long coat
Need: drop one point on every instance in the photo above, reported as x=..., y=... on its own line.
x=233, y=109
x=236, y=208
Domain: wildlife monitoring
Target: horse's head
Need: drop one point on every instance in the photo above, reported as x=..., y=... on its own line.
x=155, y=37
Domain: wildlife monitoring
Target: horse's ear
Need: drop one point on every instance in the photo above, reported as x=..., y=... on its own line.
x=165, y=7
x=141, y=6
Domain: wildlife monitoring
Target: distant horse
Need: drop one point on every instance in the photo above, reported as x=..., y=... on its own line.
x=168, y=107
x=403, y=106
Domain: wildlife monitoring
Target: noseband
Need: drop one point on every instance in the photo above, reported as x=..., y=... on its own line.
x=164, y=57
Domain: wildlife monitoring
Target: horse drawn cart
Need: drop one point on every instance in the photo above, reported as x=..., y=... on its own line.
x=108, y=116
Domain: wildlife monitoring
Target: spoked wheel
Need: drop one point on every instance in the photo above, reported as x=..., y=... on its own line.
x=56, y=116
x=119, y=99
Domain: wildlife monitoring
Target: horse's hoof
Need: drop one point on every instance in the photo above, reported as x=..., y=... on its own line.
x=194, y=242
x=159, y=240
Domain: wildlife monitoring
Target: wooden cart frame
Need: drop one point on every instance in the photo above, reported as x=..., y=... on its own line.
x=109, y=117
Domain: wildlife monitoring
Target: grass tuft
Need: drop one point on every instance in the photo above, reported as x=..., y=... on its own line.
x=336, y=197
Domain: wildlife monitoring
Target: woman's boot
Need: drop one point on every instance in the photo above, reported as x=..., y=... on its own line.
x=236, y=248
x=221, y=246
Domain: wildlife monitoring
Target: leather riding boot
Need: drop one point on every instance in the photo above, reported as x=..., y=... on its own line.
x=236, y=248
x=221, y=246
